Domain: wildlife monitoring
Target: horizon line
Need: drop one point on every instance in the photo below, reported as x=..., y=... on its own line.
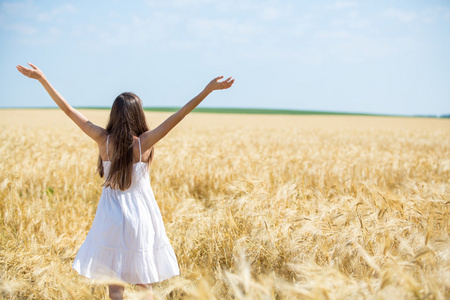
x=246, y=110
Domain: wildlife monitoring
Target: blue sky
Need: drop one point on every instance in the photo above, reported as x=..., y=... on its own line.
x=355, y=56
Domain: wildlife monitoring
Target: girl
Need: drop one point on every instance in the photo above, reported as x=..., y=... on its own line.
x=127, y=240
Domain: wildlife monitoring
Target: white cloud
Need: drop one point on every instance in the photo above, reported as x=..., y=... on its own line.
x=352, y=22
x=23, y=18
x=271, y=13
x=20, y=28
x=48, y=37
x=177, y=3
x=353, y=14
x=29, y=11
x=50, y=15
x=157, y=30
x=335, y=34
x=329, y=48
x=230, y=30
x=15, y=13
x=430, y=15
x=358, y=49
x=400, y=15
x=16, y=8
x=342, y=4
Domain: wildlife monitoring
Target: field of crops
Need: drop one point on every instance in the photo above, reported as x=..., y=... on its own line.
x=255, y=206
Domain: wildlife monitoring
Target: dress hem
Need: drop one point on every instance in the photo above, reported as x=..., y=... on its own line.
x=93, y=278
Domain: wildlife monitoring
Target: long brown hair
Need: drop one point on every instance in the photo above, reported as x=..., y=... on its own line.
x=126, y=120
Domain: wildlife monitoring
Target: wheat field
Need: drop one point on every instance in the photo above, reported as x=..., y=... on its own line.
x=255, y=206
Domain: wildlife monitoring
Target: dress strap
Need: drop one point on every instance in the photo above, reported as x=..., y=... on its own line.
x=140, y=153
x=107, y=146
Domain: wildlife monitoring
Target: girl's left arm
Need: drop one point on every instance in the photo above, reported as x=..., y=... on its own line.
x=93, y=131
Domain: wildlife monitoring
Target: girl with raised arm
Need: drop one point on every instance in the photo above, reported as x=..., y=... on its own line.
x=127, y=240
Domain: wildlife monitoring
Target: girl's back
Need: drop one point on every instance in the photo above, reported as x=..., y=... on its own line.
x=106, y=150
x=127, y=240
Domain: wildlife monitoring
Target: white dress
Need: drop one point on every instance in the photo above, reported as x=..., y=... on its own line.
x=127, y=240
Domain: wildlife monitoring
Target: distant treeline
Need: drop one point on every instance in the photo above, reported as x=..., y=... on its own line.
x=264, y=111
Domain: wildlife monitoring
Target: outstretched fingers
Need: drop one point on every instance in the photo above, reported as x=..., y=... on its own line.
x=33, y=66
x=23, y=70
x=227, y=83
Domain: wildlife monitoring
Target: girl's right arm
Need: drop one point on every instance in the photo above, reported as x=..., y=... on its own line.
x=151, y=137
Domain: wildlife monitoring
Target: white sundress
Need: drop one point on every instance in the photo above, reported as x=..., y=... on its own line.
x=127, y=240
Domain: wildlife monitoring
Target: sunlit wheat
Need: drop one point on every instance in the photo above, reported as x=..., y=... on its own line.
x=256, y=207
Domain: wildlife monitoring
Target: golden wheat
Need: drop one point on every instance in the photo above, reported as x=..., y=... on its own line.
x=256, y=206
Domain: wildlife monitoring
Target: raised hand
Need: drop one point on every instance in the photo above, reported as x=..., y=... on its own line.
x=34, y=73
x=215, y=84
